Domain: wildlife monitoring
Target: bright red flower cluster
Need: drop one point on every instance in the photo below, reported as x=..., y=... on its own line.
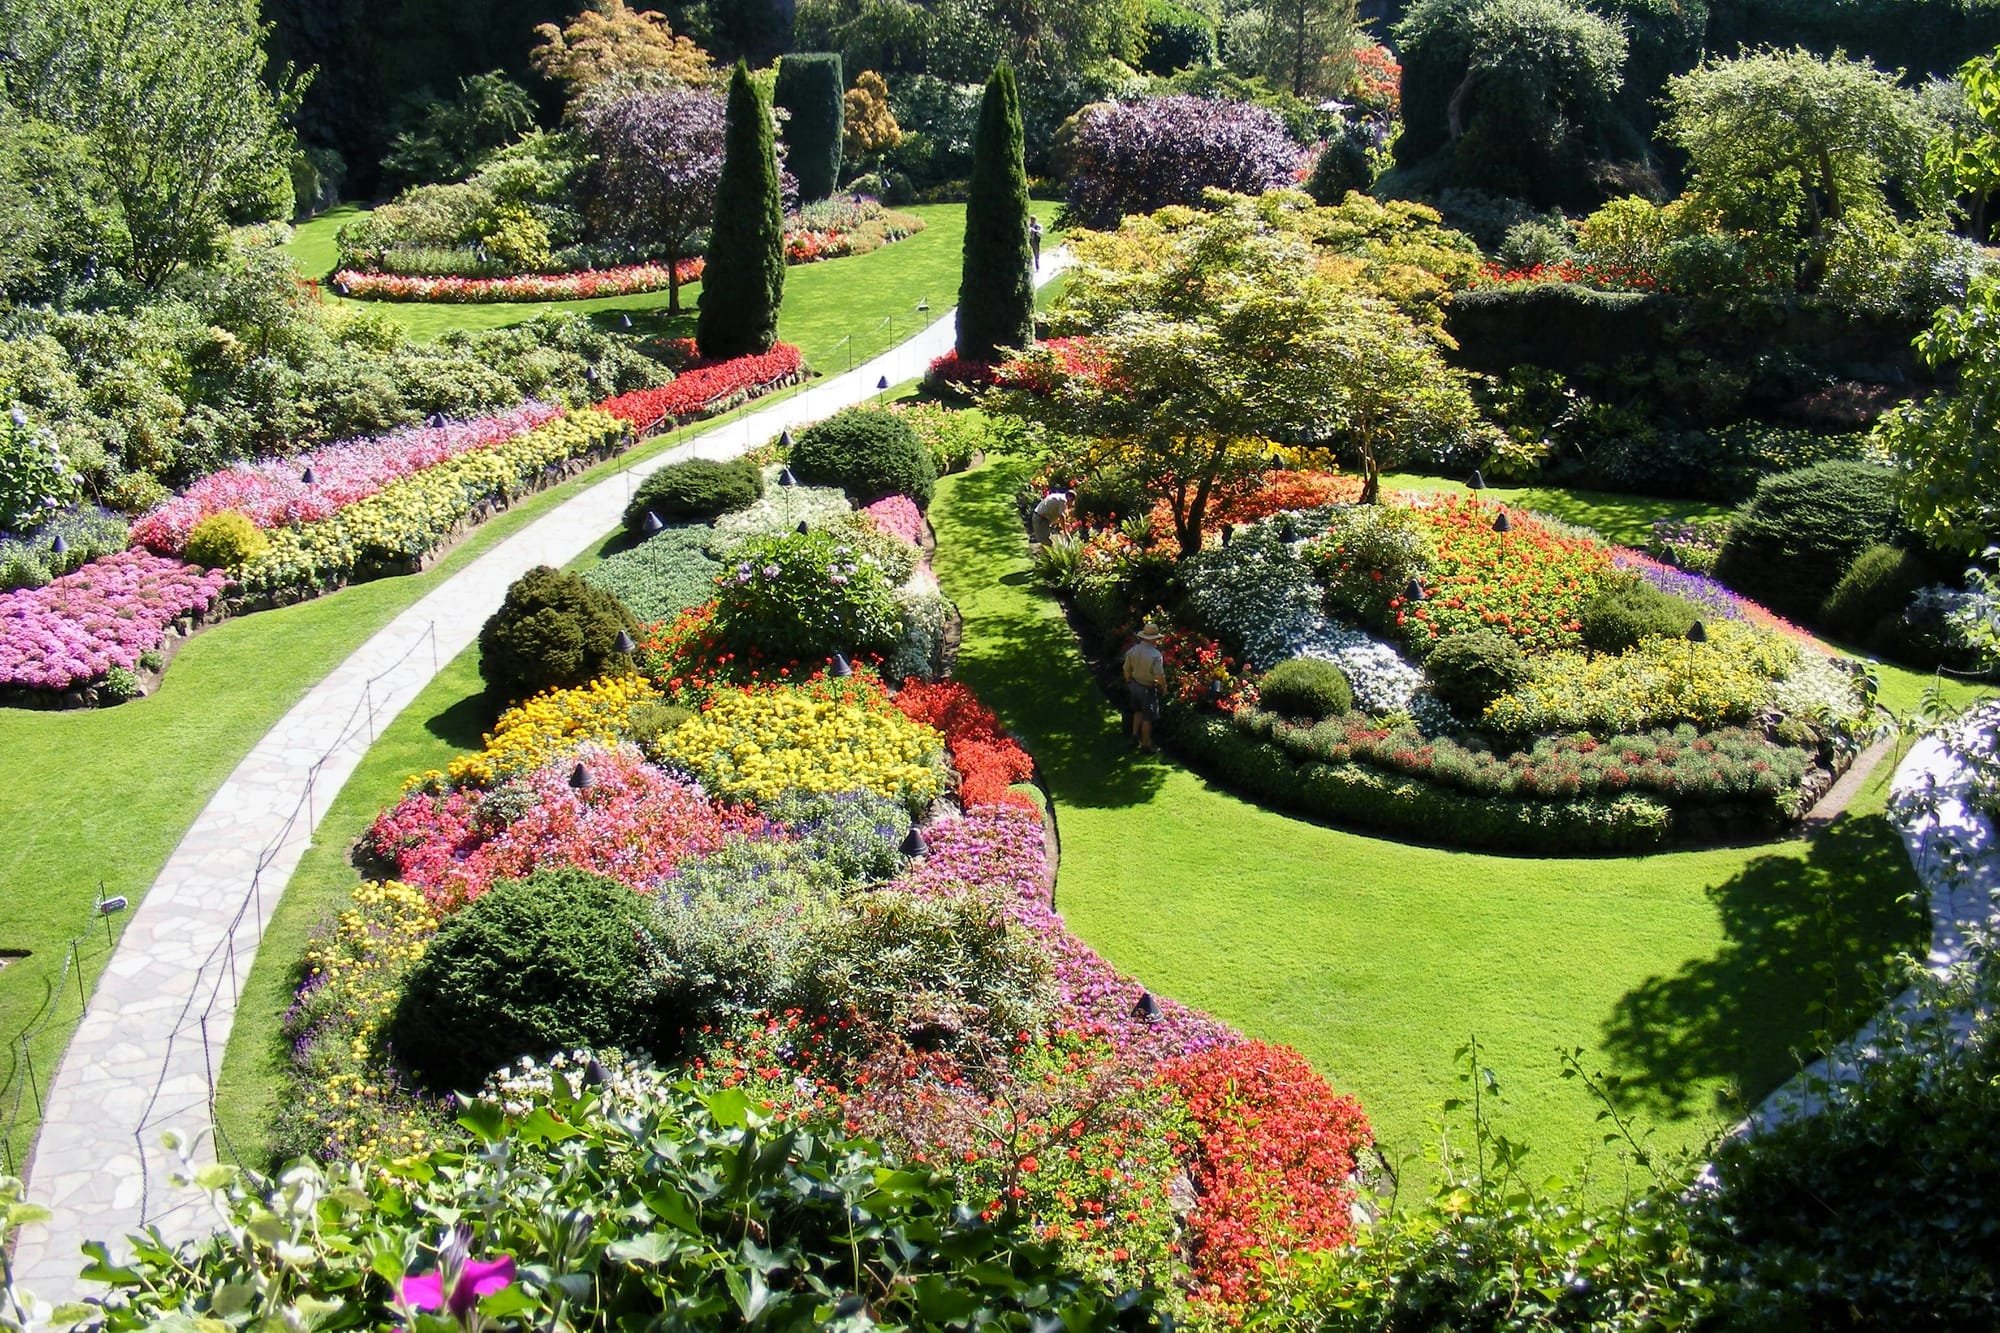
x=707, y=387
x=1043, y=368
x=989, y=763
x=1201, y=674
x=1377, y=84
x=627, y=280
x=1280, y=490
x=1603, y=277
x=1526, y=582
x=1276, y=1154
x=961, y=372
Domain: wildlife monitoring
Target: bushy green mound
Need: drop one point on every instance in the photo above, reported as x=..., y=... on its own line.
x=553, y=629
x=1803, y=529
x=553, y=962
x=867, y=452
x=803, y=596
x=695, y=491
x=228, y=540
x=1469, y=671
x=1630, y=609
x=1867, y=604
x=1305, y=687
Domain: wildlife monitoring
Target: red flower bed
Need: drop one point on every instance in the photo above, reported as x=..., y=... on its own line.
x=988, y=762
x=706, y=386
x=1043, y=367
x=628, y=280
x=1526, y=582
x=1603, y=277
x=1276, y=1150
x=961, y=372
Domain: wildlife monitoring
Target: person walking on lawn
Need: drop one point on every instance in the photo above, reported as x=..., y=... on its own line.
x=1145, y=680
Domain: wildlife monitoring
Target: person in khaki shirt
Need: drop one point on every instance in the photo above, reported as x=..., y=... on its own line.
x=1145, y=680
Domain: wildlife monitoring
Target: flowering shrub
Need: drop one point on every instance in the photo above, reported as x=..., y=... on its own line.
x=1050, y=363
x=101, y=617
x=275, y=494
x=1200, y=674
x=898, y=516
x=782, y=509
x=1275, y=1153
x=707, y=387
x=969, y=374
x=633, y=823
x=626, y=280
x=1275, y=492
x=1528, y=582
x=343, y=1097
x=801, y=595
x=988, y=761
x=754, y=744
x=548, y=727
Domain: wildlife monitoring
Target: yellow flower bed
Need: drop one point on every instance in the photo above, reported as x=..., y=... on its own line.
x=543, y=729
x=754, y=745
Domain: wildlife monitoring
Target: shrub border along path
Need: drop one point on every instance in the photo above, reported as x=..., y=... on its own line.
x=145, y=1057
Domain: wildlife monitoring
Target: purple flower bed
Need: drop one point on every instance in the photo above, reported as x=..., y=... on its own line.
x=102, y=616
x=275, y=494
x=1000, y=850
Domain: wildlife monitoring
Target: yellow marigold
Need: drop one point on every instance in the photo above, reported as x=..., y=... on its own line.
x=755, y=745
x=543, y=729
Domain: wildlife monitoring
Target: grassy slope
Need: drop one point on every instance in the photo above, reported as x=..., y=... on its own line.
x=873, y=298
x=1691, y=975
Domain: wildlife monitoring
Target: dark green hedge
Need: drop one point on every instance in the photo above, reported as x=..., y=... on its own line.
x=1560, y=325
x=810, y=88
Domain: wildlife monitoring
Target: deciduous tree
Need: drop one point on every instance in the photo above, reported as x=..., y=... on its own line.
x=1134, y=157
x=1946, y=446
x=656, y=160
x=610, y=41
x=1305, y=46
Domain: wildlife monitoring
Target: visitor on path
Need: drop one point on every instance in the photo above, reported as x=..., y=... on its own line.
x=1145, y=679
x=1048, y=514
x=1035, y=239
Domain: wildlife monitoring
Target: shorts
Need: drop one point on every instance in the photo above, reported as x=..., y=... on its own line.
x=1145, y=700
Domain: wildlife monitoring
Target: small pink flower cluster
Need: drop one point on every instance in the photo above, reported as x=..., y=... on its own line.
x=102, y=616
x=628, y=280
x=632, y=822
x=898, y=516
x=1000, y=850
x=275, y=493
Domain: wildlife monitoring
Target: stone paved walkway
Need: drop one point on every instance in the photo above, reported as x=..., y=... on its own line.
x=145, y=1056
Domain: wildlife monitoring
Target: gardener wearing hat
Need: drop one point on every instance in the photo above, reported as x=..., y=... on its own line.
x=1145, y=678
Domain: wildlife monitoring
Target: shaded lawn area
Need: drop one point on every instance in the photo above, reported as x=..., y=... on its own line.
x=1689, y=977
x=861, y=305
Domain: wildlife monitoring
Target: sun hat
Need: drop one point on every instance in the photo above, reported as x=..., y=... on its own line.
x=1150, y=633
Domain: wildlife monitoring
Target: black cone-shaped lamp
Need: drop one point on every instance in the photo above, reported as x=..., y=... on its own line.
x=840, y=667
x=1477, y=482
x=1697, y=633
x=624, y=321
x=1147, y=1009
x=882, y=384
x=914, y=844
x=1501, y=523
x=307, y=476
x=804, y=527
x=623, y=643
x=59, y=546
x=581, y=778
x=1413, y=591
x=785, y=478
x=651, y=523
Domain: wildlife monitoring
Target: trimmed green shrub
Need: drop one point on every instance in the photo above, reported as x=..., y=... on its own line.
x=1868, y=602
x=697, y=489
x=744, y=280
x=228, y=540
x=804, y=596
x=1174, y=37
x=1802, y=530
x=662, y=577
x=1342, y=164
x=1306, y=687
x=867, y=452
x=554, y=962
x=996, y=288
x=810, y=87
x=553, y=629
x=648, y=722
x=1469, y=671
x=1630, y=609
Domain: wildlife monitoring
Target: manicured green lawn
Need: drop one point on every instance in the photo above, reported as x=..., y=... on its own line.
x=862, y=305
x=1625, y=519
x=1691, y=977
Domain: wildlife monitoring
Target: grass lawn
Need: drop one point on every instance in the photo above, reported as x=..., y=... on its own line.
x=1625, y=519
x=1690, y=977
x=858, y=306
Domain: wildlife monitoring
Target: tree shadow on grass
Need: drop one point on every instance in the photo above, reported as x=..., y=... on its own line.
x=464, y=724
x=1021, y=659
x=1807, y=939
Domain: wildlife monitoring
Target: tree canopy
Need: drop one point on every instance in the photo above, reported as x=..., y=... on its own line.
x=609, y=41
x=656, y=156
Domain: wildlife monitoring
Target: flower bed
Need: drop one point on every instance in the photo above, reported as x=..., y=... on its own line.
x=534, y=734
x=836, y=228
x=275, y=494
x=1527, y=582
x=100, y=618
x=898, y=516
x=989, y=763
x=707, y=387
x=626, y=280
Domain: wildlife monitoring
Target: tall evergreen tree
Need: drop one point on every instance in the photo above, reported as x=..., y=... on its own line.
x=996, y=289
x=745, y=277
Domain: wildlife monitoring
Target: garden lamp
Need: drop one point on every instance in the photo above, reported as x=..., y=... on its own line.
x=593, y=1073
x=840, y=667
x=784, y=439
x=59, y=546
x=785, y=478
x=1228, y=531
x=581, y=779
x=434, y=420
x=590, y=373
x=1477, y=482
x=923, y=304
x=1697, y=633
x=804, y=527
x=650, y=524
x=1501, y=523
x=1413, y=591
x=1147, y=1010
x=882, y=384
x=307, y=476
x=914, y=844
x=624, y=321
x=623, y=643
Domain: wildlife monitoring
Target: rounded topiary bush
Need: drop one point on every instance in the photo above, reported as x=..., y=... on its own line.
x=553, y=962
x=1802, y=530
x=867, y=452
x=695, y=491
x=1469, y=671
x=552, y=630
x=1305, y=687
x=1628, y=610
x=1868, y=602
x=228, y=540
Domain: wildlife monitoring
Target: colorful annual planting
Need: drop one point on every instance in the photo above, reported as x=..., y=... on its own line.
x=898, y=516
x=102, y=616
x=989, y=762
x=627, y=280
x=536, y=733
x=1526, y=582
x=707, y=387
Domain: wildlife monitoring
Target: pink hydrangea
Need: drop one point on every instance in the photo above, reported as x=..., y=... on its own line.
x=101, y=616
x=898, y=516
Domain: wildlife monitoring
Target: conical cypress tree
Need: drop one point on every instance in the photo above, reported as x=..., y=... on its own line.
x=996, y=289
x=745, y=277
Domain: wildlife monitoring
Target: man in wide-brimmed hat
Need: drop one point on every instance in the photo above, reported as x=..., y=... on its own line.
x=1145, y=680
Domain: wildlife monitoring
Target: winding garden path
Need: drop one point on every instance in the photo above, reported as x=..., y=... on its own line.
x=145, y=1058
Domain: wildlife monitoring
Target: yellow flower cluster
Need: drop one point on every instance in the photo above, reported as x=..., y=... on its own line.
x=1724, y=681
x=756, y=745
x=543, y=729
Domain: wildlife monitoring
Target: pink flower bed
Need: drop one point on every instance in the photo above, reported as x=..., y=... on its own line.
x=275, y=495
x=102, y=616
x=628, y=280
x=634, y=824
x=1000, y=851
x=706, y=387
x=898, y=516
